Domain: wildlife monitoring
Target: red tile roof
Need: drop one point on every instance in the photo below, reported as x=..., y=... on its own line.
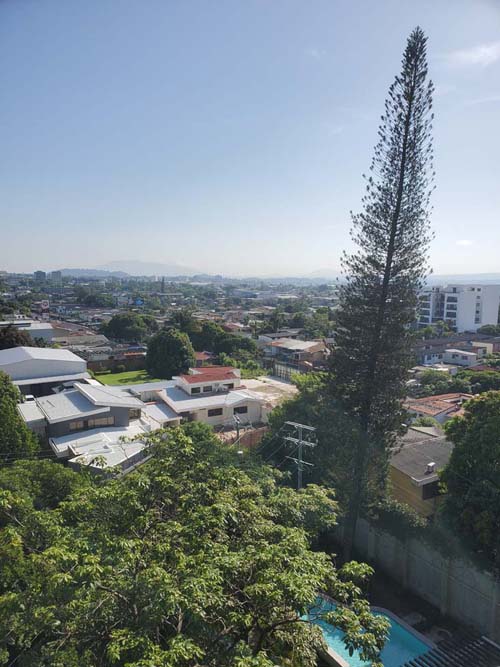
x=435, y=405
x=211, y=374
x=203, y=356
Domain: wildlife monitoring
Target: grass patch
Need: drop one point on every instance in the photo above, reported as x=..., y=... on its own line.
x=128, y=377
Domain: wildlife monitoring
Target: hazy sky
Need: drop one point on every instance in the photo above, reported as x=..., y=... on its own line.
x=231, y=135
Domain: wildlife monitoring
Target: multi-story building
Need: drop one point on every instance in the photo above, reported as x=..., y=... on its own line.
x=463, y=307
x=40, y=276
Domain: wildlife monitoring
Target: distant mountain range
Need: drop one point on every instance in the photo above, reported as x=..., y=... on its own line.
x=93, y=273
x=138, y=268
x=124, y=269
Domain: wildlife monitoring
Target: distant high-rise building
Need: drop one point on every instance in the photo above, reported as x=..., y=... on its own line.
x=40, y=276
x=463, y=307
x=56, y=276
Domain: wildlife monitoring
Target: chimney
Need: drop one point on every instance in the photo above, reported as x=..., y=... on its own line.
x=431, y=467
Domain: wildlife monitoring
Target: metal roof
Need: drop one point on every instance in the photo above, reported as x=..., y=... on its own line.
x=52, y=378
x=17, y=354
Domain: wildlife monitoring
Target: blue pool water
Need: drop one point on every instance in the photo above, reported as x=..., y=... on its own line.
x=401, y=645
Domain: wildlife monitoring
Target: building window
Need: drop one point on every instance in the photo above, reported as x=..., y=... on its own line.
x=101, y=421
x=215, y=412
x=230, y=385
x=196, y=390
x=207, y=388
x=241, y=410
x=76, y=426
x=134, y=413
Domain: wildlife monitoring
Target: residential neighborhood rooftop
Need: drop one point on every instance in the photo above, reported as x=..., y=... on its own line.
x=67, y=405
x=415, y=458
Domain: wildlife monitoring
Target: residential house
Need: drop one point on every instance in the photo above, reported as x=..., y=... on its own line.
x=213, y=395
x=458, y=357
x=286, y=356
x=414, y=468
x=92, y=425
x=440, y=407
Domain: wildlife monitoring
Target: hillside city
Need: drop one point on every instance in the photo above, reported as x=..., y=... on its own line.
x=202, y=470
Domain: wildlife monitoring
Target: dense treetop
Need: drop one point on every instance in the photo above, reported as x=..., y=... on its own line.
x=197, y=558
x=16, y=439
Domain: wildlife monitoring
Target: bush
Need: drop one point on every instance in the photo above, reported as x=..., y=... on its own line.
x=120, y=368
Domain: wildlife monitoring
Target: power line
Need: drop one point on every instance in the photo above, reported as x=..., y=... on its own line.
x=304, y=436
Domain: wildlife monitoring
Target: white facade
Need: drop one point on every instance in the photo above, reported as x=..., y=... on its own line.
x=464, y=307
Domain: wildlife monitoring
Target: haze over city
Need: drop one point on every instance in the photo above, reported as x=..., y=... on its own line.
x=232, y=137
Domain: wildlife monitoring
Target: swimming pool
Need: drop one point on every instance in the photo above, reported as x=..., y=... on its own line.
x=402, y=644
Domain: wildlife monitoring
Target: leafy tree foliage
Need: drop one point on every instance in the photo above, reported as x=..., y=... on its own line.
x=169, y=352
x=211, y=336
x=11, y=336
x=335, y=431
x=126, y=326
x=436, y=330
x=490, y=329
x=16, y=439
x=467, y=381
x=378, y=300
x=472, y=477
x=196, y=558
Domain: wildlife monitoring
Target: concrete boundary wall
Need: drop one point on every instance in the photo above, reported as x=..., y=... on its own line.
x=455, y=587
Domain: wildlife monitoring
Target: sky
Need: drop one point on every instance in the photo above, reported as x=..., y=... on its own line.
x=230, y=136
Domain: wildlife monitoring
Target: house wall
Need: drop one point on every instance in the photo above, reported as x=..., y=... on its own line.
x=62, y=428
x=455, y=586
x=405, y=491
x=253, y=415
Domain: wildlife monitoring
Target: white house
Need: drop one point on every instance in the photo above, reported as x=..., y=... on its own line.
x=460, y=358
x=213, y=395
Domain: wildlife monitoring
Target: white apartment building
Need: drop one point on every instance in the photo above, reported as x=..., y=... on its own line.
x=463, y=307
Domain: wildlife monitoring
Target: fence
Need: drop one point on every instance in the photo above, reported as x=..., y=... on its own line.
x=456, y=587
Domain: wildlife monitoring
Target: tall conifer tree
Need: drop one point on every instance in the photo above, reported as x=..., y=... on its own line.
x=383, y=276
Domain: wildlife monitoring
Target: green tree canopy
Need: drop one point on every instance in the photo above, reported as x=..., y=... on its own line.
x=169, y=352
x=129, y=327
x=384, y=274
x=16, y=439
x=472, y=476
x=11, y=336
x=490, y=329
x=196, y=558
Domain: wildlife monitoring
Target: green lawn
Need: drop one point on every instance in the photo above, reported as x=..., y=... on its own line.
x=128, y=377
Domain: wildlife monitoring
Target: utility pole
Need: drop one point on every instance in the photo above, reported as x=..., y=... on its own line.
x=303, y=437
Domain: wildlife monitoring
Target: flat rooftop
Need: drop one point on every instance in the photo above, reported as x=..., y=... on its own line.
x=87, y=441
x=68, y=405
